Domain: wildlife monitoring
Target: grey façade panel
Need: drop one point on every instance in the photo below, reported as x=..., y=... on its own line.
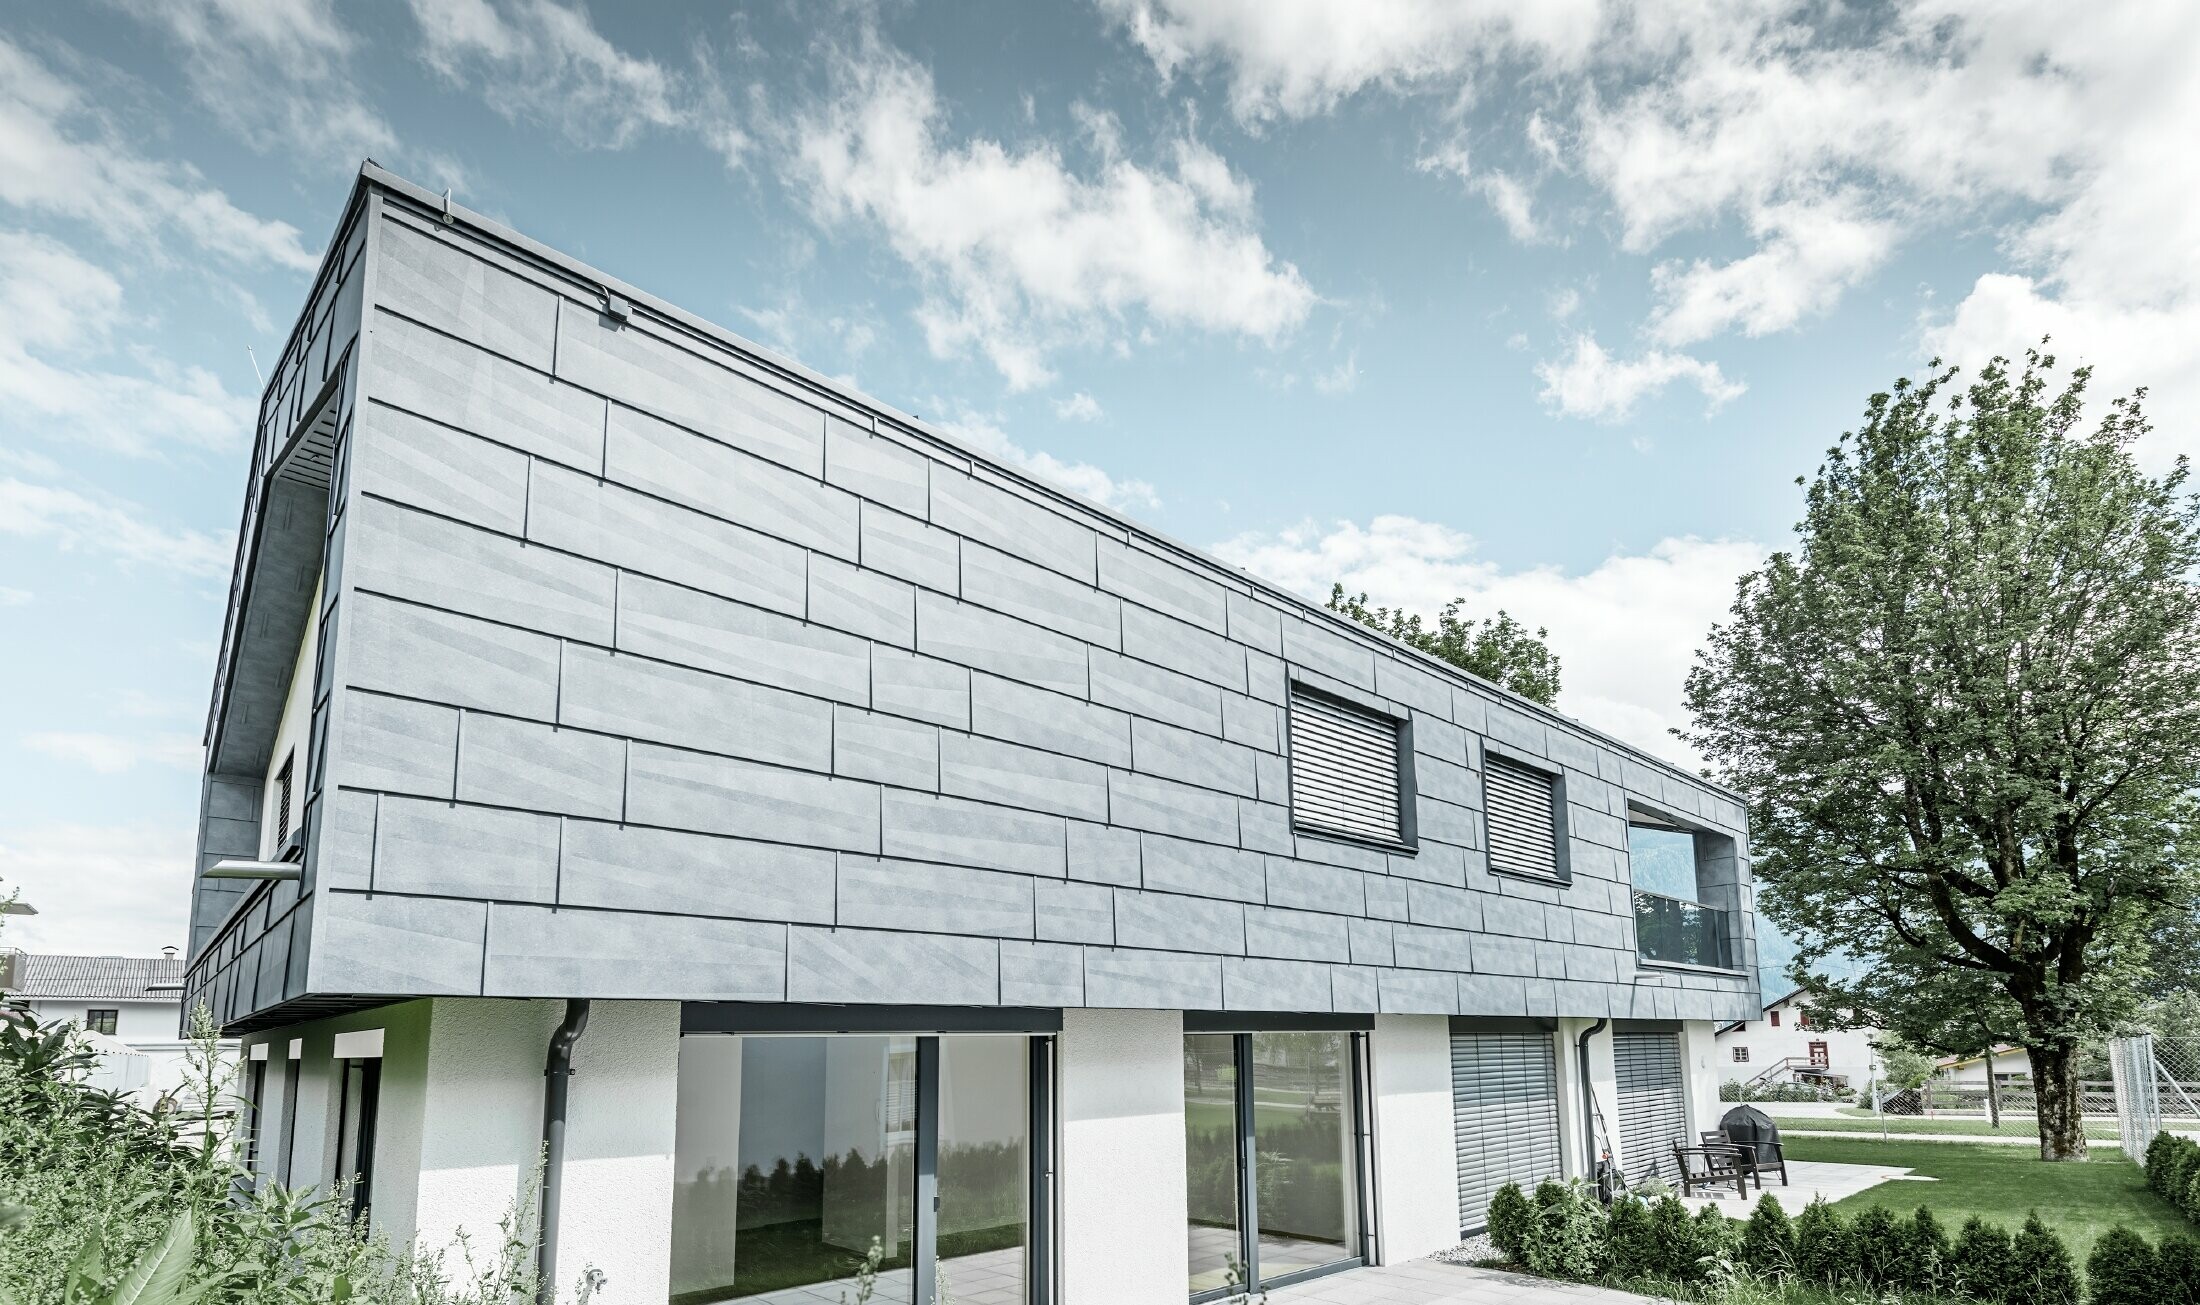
x=946, y=731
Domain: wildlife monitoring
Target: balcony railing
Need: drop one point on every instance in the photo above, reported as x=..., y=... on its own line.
x=1680, y=932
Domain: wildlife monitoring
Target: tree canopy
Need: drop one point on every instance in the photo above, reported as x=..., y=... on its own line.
x=1499, y=649
x=1966, y=711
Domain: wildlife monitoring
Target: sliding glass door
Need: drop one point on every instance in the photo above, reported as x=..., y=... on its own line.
x=804, y=1165
x=1274, y=1138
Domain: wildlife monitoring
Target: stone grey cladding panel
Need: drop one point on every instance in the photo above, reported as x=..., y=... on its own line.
x=668, y=671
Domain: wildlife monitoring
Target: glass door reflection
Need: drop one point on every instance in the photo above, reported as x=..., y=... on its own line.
x=984, y=1236
x=1211, y=1159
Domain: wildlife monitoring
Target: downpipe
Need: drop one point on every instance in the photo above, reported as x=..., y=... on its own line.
x=1593, y=1167
x=557, y=1073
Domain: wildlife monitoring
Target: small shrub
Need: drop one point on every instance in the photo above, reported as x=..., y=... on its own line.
x=1628, y=1252
x=2124, y=1270
x=1672, y=1240
x=2041, y=1271
x=1979, y=1262
x=1511, y=1216
x=2177, y=1268
x=1718, y=1240
x=1568, y=1236
x=1768, y=1240
x=1880, y=1248
x=1825, y=1251
x=1925, y=1253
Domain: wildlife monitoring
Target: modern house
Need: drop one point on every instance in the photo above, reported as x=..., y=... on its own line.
x=1782, y=1045
x=132, y=1006
x=816, y=836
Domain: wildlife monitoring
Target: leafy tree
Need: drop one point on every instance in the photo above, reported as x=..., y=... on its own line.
x=1499, y=649
x=1966, y=711
x=1905, y=1068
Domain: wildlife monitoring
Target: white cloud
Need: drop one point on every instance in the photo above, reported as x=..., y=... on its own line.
x=1018, y=251
x=57, y=313
x=1820, y=139
x=1290, y=58
x=985, y=434
x=1343, y=378
x=1077, y=407
x=77, y=522
x=1626, y=631
x=12, y=597
x=59, y=156
x=546, y=62
x=1810, y=254
x=1589, y=382
x=113, y=754
x=122, y=889
x=277, y=75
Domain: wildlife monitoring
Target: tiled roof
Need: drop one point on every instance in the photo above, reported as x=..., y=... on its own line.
x=41, y=975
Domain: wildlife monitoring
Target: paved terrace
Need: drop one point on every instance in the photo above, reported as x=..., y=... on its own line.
x=1433, y=1282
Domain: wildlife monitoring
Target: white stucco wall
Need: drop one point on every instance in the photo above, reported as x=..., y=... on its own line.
x=618, y=1163
x=1572, y=1127
x=1699, y=1052
x=1416, y=1156
x=1122, y=1173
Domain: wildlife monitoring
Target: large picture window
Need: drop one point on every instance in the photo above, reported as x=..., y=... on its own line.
x=797, y=1159
x=1274, y=1138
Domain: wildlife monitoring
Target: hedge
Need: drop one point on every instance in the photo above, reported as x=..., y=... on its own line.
x=2173, y=1171
x=1562, y=1231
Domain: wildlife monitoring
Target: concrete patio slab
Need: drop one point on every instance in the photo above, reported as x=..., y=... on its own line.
x=1433, y=1282
x=1807, y=1181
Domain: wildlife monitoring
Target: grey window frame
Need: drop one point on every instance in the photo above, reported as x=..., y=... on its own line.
x=1562, y=868
x=93, y=1019
x=1408, y=839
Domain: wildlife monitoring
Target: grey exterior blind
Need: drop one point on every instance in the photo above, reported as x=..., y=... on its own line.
x=1523, y=818
x=1504, y=1104
x=1653, y=1103
x=1344, y=769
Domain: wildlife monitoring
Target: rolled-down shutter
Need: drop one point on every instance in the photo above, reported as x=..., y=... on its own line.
x=1344, y=769
x=1523, y=819
x=1504, y=1105
x=1653, y=1102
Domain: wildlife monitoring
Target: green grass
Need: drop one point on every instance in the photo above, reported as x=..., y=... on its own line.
x=1866, y=1122
x=2001, y=1184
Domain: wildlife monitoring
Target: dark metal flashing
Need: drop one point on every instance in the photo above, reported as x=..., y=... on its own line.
x=1240, y=1021
x=784, y=1017
x=1503, y=1024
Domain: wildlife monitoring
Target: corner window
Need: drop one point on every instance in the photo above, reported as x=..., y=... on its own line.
x=358, y=1104
x=101, y=1021
x=1525, y=813
x=1686, y=883
x=1348, y=770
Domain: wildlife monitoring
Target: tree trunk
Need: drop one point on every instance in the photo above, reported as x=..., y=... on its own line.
x=2061, y=1101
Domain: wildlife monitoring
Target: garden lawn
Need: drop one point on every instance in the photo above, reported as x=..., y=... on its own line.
x=2100, y=1130
x=2001, y=1184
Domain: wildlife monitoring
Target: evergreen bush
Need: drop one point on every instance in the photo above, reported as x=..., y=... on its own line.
x=1881, y=1248
x=1567, y=1238
x=1925, y=1253
x=1628, y=1249
x=1979, y=1262
x=2123, y=1270
x=1825, y=1252
x=2177, y=1268
x=1510, y=1217
x=2041, y=1271
x=1718, y=1240
x=1768, y=1240
x=1672, y=1240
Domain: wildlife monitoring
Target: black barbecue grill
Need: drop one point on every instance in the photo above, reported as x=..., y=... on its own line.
x=1752, y=1131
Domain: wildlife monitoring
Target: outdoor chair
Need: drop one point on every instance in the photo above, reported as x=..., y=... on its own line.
x=1760, y=1156
x=1717, y=1165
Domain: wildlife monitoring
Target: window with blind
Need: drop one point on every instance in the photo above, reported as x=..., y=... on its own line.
x=1523, y=819
x=282, y=804
x=1347, y=770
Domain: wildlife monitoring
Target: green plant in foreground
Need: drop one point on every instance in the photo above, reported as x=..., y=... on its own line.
x=2040, y=1270
x=1768, y=1240
x=1925, y=1253
x=1979, y=1262
x=2124, y=1270
x=1825, y=1253
x=1509, y=1218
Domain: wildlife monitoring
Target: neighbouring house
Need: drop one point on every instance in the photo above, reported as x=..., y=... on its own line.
x=2010, y=1064
x=131, y=1006
x=894, y=848
x=1782, y=1045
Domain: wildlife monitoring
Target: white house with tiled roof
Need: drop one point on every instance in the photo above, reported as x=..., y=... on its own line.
x=133, y=1003
x=1784, y=1045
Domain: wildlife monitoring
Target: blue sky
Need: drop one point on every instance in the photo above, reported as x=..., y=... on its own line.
x=1543, y=304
